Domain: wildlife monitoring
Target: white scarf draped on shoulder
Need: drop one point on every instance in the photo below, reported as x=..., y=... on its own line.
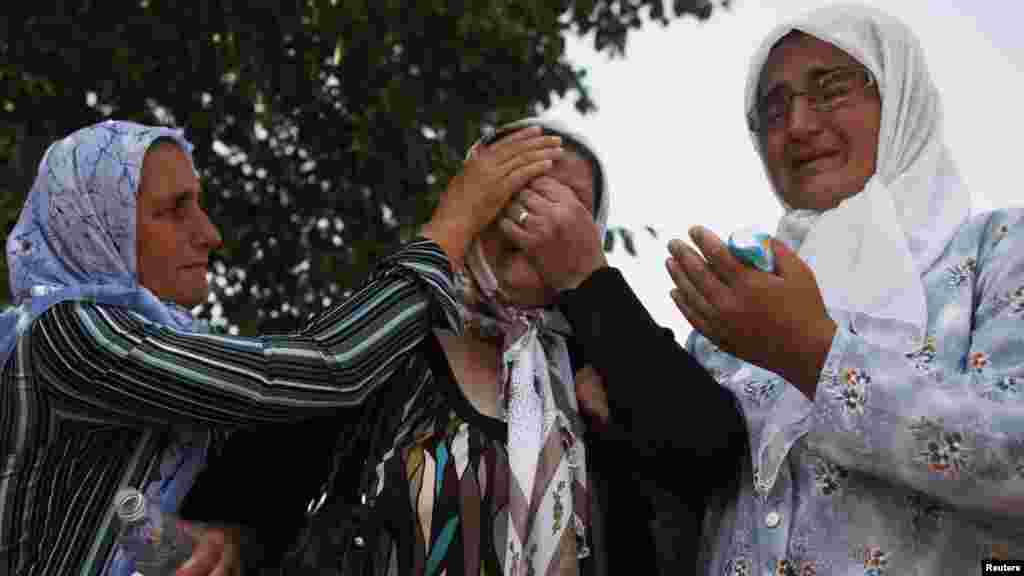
x=868, y=254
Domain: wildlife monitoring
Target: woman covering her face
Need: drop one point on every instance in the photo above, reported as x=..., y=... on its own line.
x=473, y=458
x=487, y=471
x=109, y=382
x=880, y=368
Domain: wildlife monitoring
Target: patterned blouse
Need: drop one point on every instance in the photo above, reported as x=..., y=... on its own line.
x=97, y=397
x=433, y=497
x=442, y=493
x=906, y=462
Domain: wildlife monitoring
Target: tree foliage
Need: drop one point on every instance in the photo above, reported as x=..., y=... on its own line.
x=324, y=129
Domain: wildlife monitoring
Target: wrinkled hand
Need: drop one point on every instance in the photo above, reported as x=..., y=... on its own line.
x=216, y=552
x=559, y=234
x=775, y=321
x=592, y=396
x=492, y=174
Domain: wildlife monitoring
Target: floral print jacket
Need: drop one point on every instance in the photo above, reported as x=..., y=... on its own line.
x=907, y=461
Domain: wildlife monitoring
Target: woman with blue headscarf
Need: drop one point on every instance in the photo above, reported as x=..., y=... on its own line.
x=108, y=381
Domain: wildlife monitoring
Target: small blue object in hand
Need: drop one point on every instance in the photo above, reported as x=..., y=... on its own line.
x=753, y=247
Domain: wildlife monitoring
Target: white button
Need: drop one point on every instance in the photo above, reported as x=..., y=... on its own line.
x=772, y=519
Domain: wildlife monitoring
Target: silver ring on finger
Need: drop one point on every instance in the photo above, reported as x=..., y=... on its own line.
x=521, y=219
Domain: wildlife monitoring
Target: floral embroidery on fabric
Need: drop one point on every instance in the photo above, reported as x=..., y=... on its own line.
x=21, y=246
x=913, y=441
x=944, y=452
x=1008, y=385
x=738, y=567
x=760, y=392
x=851, y=390
x=1005, y=388
x=1001, y=232
x=924, y=512
x=531, y=569
x=515, y=558
x=875, y=561
x=1016, y=298
x=582, y=544
x=828, y=375
x=828, y=477
x=558, y=508
x=785, y=568
x=760, y=485
x=977, y=361
x=923, y=356
x=961, y=273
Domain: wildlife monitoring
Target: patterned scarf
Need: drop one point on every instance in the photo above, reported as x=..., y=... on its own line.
x=548, y=512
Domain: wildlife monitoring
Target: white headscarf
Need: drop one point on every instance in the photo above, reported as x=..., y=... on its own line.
x=562, y=129
x=868, y=254
x=547, y=458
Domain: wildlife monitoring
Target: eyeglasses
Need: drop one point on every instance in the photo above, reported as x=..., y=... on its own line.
x=826, y=92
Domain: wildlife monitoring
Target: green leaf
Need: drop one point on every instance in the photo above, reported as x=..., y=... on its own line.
x=463, y=65
x=627, y=241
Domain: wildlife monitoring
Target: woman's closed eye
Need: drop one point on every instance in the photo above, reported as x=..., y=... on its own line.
x=179, y=209
x=836, y=86
x=177, y=212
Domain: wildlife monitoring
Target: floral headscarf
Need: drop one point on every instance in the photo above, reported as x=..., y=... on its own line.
x=76, y=240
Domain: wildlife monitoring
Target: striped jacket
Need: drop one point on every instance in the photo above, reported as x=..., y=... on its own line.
x=94, y=396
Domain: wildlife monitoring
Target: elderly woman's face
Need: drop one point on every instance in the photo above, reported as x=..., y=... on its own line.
x=516, y=276
x=174, y=236
x=816, y=159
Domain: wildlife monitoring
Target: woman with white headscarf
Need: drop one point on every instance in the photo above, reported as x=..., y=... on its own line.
x=880, y=368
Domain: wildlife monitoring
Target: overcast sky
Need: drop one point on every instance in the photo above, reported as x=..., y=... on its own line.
x=671, y=131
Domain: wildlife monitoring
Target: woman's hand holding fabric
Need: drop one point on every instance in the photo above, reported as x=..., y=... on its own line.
x=558, y=235
x=216, y=552
x=775, y=321
x=489, y=177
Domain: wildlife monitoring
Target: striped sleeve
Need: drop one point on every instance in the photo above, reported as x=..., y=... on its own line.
x=96, y=357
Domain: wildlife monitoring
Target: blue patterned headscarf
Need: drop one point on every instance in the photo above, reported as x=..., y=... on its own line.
x=75, y=240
